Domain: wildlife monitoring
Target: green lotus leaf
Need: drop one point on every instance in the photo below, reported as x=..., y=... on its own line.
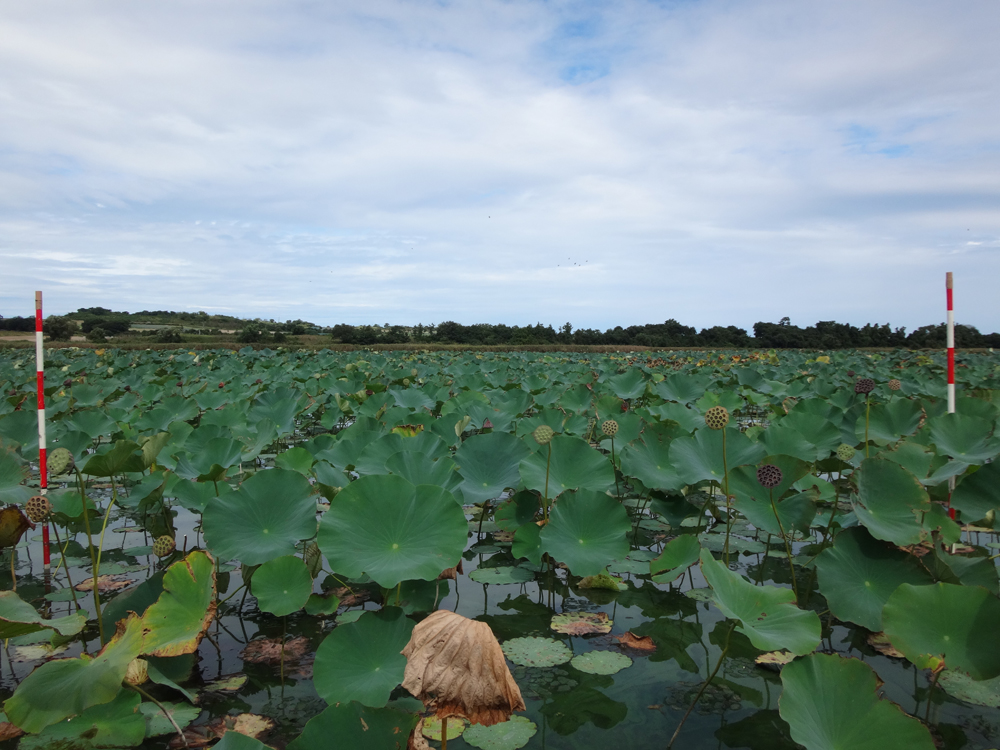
x=361, y=661
x=157, y=724
x=687, y=419
x=945, y=623
x=67, y=687
x=419, y=468
x=532, y=651
x=963, y=569
x=17, y=617
x=964, y=438
x=237, y=741
x=350, y=444
x=502, y=574
x=699, y=458
x=391, y=530
x=411, y=398
x=489, y=464
x=13, y=474
x=678, y=555
x=265, y=518
x=601, y=662
x=118, y=723
x=568, y=712
x=977, y=692
x=125, y=456
x=888, y=422
x=210, y=461
x=178, y=619
x=528, y=543
x=586, y=531
x=648, y=461
x=295, y=459
x=783, y=439
x=93, y=422
x=373, y=458
x=321, y=605
x=754, y=501
x=682, y=388
x=767, y=614
x=356, y=726
x=627, y=385
x=858, y=574
x=831, y=703
x=516, y=511
x=891, y=501
x=978, y=493
x=282, y=585
x=815, y=428
x=574, y=465
x=915, y=458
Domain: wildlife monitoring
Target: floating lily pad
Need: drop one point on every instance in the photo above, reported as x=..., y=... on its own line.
x=536, y=652
x=977, y=692
x=505, y=574
x=700, y=595
x=601, y=662
x=507, y=735
x=582, y=623
x=431, y=728
x=227, y=683
x=678, y=555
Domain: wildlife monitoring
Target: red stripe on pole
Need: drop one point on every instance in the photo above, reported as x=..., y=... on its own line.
x=951, y=366
x=951, y=298
x=43, y=464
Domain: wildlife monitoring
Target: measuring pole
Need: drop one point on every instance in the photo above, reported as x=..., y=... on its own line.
x=949, y=283
x=42, y=461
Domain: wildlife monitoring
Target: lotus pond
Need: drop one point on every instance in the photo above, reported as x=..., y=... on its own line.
x=725, y=550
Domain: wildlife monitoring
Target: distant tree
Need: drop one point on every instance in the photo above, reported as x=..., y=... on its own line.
x=253, y=333
x=59, y=328
x=97, y=335
x=169, y=336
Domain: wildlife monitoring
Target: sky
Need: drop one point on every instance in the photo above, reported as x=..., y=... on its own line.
x=599, y=163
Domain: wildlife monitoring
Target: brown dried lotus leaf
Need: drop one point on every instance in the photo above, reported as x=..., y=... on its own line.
x=253, y=725
x=581, y=623
x=417, y=741
x=639, y=644
x=105, y=584
x=268, y=650
x=880, y=642
x=774, y=658
x=9, y=731
x=452, y=573
x=456, y=665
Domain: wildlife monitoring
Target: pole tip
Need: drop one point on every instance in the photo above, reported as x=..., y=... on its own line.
x=38, y=300
x=949, y=281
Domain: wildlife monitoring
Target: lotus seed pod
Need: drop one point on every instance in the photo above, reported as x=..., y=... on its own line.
x=543, y=434
x=895, y=385
x=845, y=452
x=609, y=427
x=413, y=372
x=37, y=508
x=406, y=382
x=67, y=383
x=864, y=385
x=163, y=546
x=128, y=388
x=769, y=476
x=59, y=462
x=137, y=672
x=850, y=373
x=717, y=417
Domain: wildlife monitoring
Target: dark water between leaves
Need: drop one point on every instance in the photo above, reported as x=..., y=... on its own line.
x=639, y=707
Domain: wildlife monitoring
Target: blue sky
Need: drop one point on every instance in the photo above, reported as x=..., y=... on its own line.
x=599, y=163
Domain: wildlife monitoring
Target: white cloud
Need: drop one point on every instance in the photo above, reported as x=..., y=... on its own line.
x=714, y=162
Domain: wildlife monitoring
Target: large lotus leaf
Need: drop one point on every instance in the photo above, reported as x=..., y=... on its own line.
x=528, y=543
x=648, y=461
x=815, y=428
x=94, y=422
x=17, y=617
x=978, y=493
x=237, y=741
x=678, y=555
x=419, y=468
x=962, y=569
x=489, y=464
x=912, y=456
x=356, y=726
x=699, y=458
x=858, y=574
x=892, y=501
x=574, y=465
x=628, y=384
x=767, y=614
x=280, y=406
x=945, y=623
x=689, y=420
x=781, y=438
x=177, y=622
x=411, y=398
x=576, y=399
x=265, y=518
x=210, y=461
x=586, y=531
x=682, y=388
x=388, y=528
x=124, y=457
x=888, y=422
x=977, y=692
x=516, y=511
x=13, y=473
x=361, y=661
x=66, y=687
x=118, y=723
x=282, y=585
x=830, y=703
x=964, y=438
x=373, y=457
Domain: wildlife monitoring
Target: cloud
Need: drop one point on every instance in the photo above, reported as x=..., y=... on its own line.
x=603, y=163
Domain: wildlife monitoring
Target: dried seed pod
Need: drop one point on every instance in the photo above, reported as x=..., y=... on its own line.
x=769, y=476
x=895, y=385
x=163, y=546
x=37, y=508
x=845, y=452
x=864, y=385
x=850, y=373
x=59, y=462
x=609, y=427
x=543, y=434
x=717, y=417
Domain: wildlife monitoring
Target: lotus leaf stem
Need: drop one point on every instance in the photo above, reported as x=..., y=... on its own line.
x=868, y=409
x=725, y=488
x=170, y=718
x=65, y=564
x=614, y=467
x=13, y=575
x=930, y=693
x=548, y=461
x=93, y=557
x=704, y=686
x=788, y=548
x=444, y=733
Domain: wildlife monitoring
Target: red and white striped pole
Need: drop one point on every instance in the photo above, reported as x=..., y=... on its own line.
x=949, y=286
x=43, y=467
